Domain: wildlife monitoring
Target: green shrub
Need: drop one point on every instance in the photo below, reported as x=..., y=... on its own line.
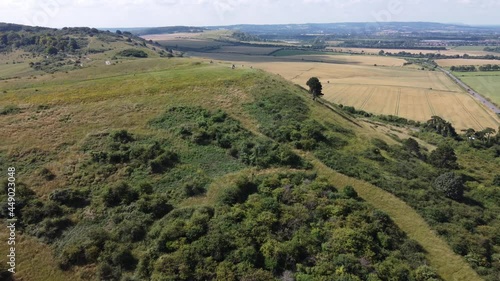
x=163, y=162
x=155, y=205
x=10, y=109
x=496, y=180
x=51, y=228
x=121, y=136
x=47, y=174
x=120, y=193
x=70, y=197
x=350, y=192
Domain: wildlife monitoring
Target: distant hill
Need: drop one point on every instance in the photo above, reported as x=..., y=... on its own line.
x=139, y=31
x=326, y=28
x=51, y=50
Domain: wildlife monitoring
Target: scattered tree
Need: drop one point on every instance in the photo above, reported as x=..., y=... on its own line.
x=440, y=126
x=315, y=87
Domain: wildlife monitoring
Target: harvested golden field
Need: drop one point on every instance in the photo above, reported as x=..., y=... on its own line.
x=456, y=62
x=401, y=91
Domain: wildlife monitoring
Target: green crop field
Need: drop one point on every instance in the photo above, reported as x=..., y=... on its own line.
x=485, y=83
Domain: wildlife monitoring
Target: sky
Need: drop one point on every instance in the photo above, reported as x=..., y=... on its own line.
x=149, y=13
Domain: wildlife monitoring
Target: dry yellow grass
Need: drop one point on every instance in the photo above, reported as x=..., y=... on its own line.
x=34, y=260
x=456, y=62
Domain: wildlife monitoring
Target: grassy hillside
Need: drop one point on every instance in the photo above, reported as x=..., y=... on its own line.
x=177, y=169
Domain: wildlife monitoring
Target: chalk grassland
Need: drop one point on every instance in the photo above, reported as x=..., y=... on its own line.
x=400, y=91
x=485, y=83
x=456, y=62
x=15, y=64
x=69, y=106
x=448, y=52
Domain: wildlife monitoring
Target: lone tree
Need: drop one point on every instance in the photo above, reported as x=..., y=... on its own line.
x=314, y=87
x=451, y=185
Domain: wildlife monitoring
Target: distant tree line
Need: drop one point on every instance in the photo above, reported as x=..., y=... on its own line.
x=389, y=44
x=492, y=49
x=471, y=68
x=463, y=68
x=489, y=67
x=437, y=56
x=243, y=36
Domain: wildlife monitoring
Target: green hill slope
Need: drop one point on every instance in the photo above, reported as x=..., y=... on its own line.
x=177, y=169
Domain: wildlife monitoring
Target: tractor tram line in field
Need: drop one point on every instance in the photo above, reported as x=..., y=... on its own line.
x=370, y=91
x=431, y=108
x=468, y=112
x=398, y=102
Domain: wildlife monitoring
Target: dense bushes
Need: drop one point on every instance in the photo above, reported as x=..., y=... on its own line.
x=438, y=125
x=203, y=127
x=443, y=157
x=122, y=148
x=132, y=53
x=291, y=225
x=285, y=118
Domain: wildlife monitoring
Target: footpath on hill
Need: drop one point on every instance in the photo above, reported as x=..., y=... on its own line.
x=449, y=266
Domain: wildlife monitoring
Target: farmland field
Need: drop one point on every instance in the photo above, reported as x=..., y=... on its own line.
x=485, y=83
x=190, y=43
x=388, y=88
x=385, y=89
x=246, y=50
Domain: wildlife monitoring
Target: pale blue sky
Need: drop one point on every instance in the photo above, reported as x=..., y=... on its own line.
x=141, y=13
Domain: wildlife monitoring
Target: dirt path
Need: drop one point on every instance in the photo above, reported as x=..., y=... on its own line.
x=449, y=265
